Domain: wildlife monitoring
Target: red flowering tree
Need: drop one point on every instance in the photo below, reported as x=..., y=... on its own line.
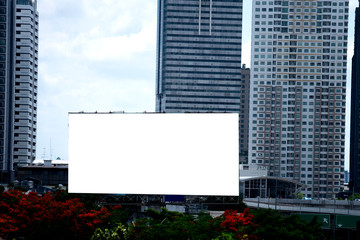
x=239, y=225
x=42, y=217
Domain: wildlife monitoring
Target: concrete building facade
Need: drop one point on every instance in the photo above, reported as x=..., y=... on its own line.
x=298, y=92
x=18, y=84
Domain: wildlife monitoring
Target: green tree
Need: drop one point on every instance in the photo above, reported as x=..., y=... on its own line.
x=271, y=225
x=300, y=195
x=354, y=196
x=117, y=233
x=172, y=225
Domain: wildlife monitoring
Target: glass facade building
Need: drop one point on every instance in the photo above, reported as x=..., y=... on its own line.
x=298, y=91
x=199, y=60
x=199, y=56
x=244, y=115
x=354, y=182
x=18, y=84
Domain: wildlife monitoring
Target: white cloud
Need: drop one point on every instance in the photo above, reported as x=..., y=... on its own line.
x=93, y=55
x=119, y=47
x=105, y=30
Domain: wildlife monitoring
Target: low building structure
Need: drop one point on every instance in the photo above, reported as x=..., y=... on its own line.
x=45, y=172
x=254, y=182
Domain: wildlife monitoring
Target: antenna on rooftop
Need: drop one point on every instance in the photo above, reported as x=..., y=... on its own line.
x=50, y=150
x=43, y=156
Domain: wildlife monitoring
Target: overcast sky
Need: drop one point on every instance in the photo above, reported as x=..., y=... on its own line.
x=100, y=55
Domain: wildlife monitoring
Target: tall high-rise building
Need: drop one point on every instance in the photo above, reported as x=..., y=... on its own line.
x=298, y=91
x=18, y=84
x=244, y=115
x=354, y=183
x=199, y=56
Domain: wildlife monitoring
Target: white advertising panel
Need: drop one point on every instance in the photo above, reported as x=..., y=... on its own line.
x=185, y=154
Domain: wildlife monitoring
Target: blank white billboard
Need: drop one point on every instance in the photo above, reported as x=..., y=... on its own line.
x=170, y=154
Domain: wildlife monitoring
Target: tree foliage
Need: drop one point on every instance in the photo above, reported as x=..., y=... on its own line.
x=61, y=216
x=174, y=225
x=43, y=217
x=271, y=225
x=354, y=196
